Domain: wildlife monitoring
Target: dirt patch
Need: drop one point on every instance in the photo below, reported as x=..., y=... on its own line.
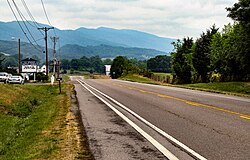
x=101, y=77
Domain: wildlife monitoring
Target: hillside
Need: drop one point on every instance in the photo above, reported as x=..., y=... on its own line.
x=76, y=51
x=105, y=51
x=27, y=50
x=91, y=37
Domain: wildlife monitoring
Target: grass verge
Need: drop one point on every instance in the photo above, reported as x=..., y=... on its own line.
x=36, y=123
x=233, y=88
x=138, y=78
x=237, y=88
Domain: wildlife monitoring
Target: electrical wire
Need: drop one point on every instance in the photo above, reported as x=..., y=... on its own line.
x=24, y=44
x=47, y=17
x=20, y=14
x=37, y=25
x=21, y=26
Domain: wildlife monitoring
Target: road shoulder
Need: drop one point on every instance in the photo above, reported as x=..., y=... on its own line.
x=109, y=136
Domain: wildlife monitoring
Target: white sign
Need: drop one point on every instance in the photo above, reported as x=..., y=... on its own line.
x=29, y=68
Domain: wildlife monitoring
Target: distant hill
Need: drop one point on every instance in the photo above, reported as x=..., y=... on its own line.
x=105, y=51
x=27, y=50
x=91, y=37
x=75, y=51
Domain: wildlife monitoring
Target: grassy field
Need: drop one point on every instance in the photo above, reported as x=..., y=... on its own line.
x=36, y=123
x=235, y=88
x=161, y=74
x=227, y=87
x=138, y=78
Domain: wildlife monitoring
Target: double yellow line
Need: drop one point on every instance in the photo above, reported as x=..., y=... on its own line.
x=185, y=101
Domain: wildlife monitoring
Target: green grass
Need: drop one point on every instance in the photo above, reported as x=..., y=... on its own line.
x=23, y=116
x=227, y=87
x=161, y=74
x=26, y=111
x=65, y=77
x=235, y=88
x=138, y=78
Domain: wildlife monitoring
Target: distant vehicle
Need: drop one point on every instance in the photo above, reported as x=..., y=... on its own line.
x=16, y=80
x=4, y=77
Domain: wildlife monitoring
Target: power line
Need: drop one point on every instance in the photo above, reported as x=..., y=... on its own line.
x=46, y=46
x=47, y=16
x=12, y=48
x=31, y=16
x=21, y=26
x=20, y=14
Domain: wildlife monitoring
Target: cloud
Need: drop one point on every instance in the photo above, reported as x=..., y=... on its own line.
x=169, y=18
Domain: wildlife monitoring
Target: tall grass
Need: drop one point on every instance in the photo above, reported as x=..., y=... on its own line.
x=26, y=112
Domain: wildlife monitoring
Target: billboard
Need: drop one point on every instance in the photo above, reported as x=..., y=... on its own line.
x=29, y=67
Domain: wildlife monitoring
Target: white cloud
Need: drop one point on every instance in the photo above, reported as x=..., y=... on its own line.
x=169, y=18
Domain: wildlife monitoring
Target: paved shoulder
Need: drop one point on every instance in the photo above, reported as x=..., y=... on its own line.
x=109, y=136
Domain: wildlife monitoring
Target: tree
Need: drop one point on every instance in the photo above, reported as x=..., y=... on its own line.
x=65, y=64
x=181, y=61
x=118, y=66
x=97, y=64
x=230, y=54
x=161, y=63
x=84, y=63
x=202, y=54
x=74, y=64
x=107, y=61
x=240, y=11
x=2, y=58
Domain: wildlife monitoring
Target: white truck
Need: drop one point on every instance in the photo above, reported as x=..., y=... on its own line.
x=4, y=77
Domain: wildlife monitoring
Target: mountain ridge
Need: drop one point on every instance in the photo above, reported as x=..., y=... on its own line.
x=73, y=51
x=91, y=36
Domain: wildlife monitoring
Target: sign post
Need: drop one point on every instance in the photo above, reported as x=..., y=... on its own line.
x=59, y=79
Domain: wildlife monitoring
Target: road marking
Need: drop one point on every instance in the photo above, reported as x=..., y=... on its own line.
x=160, y=147
x=244, y=116
x=169, y=137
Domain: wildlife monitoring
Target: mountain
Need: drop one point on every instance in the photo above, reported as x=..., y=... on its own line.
x=27, y=50
x=88, y=37
x=70, y=51
x=104, y=51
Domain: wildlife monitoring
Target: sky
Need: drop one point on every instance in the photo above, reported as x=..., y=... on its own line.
x=165, y=18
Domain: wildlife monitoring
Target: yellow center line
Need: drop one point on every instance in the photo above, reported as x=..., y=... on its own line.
x=185, y=101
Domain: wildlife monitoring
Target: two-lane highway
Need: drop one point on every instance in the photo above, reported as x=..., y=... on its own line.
x=213, y=125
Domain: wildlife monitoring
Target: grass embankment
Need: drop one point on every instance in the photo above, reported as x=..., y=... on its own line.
x=239, y=88
x=138, y=78
x=36, y=123
x=235, y=88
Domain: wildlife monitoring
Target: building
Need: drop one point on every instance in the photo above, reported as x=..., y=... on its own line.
x=107, y=69
x=42, y=69
x=29, y=68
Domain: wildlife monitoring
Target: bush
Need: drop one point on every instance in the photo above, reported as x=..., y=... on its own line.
x=40, y=77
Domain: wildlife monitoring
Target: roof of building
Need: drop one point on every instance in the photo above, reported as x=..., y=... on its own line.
x=29, y=59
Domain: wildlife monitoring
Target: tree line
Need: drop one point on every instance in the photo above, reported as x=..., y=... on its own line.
x=88, y=64
x=122, y=66
x=216, y=56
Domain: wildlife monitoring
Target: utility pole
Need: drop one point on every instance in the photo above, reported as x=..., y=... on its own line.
x=45, y=29
x=58, y=68
x=19, y=55
x=54, y=39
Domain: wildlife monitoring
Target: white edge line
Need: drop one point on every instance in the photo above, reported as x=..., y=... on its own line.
x=160, y=147
x=183, y=146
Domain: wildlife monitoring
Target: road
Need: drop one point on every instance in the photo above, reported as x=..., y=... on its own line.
x=214, y=126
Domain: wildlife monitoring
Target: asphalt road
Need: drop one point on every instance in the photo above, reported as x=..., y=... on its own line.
x=213, y=125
